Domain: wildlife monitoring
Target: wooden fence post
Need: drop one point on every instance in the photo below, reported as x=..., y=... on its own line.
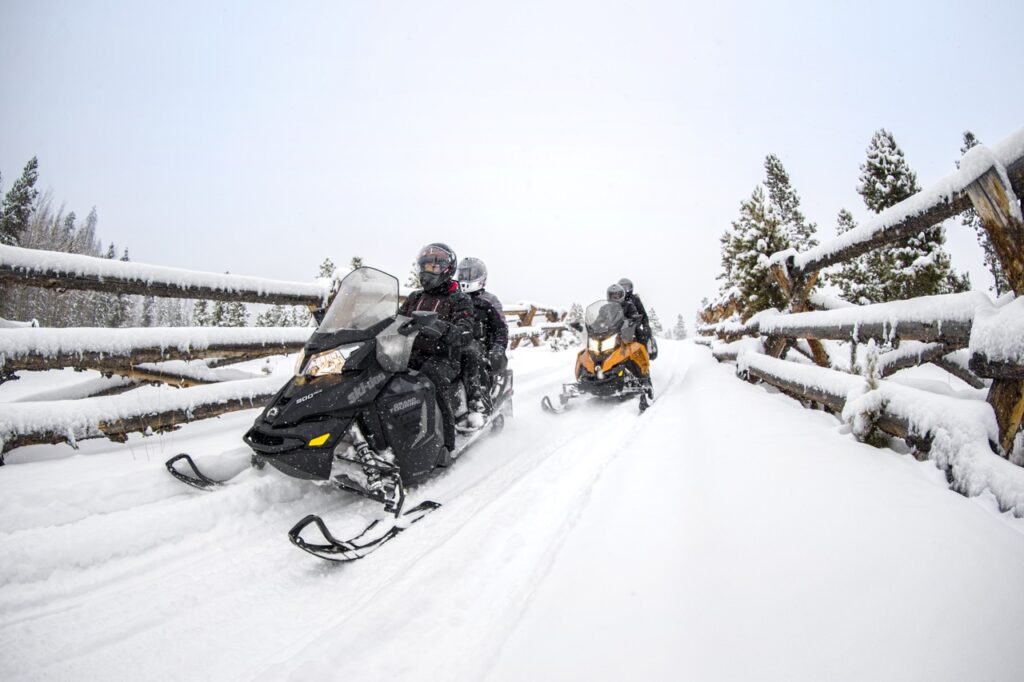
x=797, y=290
x=999, y=209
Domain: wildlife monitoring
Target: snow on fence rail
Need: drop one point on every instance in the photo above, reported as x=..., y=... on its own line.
x=968, y=334
x=55, y=270
x=115, y=417
x=121, y=349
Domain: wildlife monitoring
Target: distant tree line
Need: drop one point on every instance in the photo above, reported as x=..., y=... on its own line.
x=770, y=220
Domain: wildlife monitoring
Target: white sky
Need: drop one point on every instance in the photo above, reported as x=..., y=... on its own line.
x=566, y=144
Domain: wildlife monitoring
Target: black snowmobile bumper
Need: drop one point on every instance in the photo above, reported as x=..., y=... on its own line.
x=288, y=449
x=608, y=387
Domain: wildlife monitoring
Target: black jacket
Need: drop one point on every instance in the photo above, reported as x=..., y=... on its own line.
x=645, y=322
x=490, y=327
x=452, y=306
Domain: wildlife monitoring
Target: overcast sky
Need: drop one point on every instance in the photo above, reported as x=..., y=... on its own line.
x=566, y=144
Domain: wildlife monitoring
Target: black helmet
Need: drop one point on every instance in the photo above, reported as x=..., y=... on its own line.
x=626, y=284
x=616, y=294
x=435, y=265
x=472, y=275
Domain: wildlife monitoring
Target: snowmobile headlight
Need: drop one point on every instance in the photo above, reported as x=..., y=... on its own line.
x=329, y=362
x=299, y=361
x=602, y=346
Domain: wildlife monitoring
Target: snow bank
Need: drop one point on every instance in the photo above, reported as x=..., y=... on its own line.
x=80, y=419
x=998, y=334
x=34, y=260
x=51, y=342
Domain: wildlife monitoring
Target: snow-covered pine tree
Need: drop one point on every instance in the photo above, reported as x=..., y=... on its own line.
x=218, y=314
x=799, y=232
x=274, y=316
x=120, y=304
x=858, y=278
x=745, y=250
x=1000, y=284
x=201, y=314
x=679, y=330
x=236, y=314
x=920, y=265
x=656, y=328
x=18, y=204
x=149, y=312
x=357, y=262
x=414, y=279
x=327, y=268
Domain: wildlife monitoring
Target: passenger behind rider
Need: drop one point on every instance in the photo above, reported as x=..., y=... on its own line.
x=439, y=359
x=490, y=335
x=643, y=333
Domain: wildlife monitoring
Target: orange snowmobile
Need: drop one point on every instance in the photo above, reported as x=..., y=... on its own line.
x=613, y=364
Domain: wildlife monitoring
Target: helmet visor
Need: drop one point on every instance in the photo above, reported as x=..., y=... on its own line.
x=434, y=260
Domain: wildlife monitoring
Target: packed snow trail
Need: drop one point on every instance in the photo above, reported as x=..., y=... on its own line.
x=727, y=533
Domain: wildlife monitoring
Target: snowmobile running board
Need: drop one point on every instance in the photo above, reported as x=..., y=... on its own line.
x=196, y=479
x=350, y=550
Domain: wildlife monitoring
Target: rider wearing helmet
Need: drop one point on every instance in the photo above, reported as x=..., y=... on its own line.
x=439, y=359
x=490, y=333
x=617, y=294
x=643, y=332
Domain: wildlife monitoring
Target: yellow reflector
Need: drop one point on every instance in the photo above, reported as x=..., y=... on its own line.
x=620, y=372
x=319, y=440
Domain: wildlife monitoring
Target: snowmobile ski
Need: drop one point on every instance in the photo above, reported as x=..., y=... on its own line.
x=196, y=478
x=370, y=540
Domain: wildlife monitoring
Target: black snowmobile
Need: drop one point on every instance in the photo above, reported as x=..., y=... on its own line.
x=357, y=417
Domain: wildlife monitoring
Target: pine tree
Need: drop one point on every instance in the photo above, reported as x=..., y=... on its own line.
x=857, y=279
x=414, y=279
x=679, y=331
x=236, y=314
x=149, y=312
x=356, y=263
x=218, y=314
x=799, y=233
x=919, y=266
x=656, y=328
x=327, y=269
x=745, y=249
x=201, y=314
x=18, y=204
x=970, y=219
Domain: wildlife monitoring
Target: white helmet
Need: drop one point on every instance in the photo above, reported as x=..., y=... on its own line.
x=471, y=275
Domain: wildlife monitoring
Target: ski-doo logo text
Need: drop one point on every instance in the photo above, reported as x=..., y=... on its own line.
x=360, y=391
x=307, y=397
x=404, y=404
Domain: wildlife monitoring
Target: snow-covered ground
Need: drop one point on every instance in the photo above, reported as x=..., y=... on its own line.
x=725, y=534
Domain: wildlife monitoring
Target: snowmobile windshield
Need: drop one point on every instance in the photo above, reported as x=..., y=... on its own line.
x=603, y=319
x=365, y=298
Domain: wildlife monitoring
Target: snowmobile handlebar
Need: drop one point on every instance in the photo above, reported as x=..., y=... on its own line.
x=425, y=322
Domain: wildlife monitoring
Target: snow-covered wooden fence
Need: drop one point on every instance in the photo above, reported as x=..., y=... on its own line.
x=66, y=271
x=142, y=356
x=528, y=328
x=971, y=336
